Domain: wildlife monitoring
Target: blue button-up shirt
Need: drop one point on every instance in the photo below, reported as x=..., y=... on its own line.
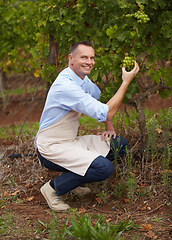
x=70, y=92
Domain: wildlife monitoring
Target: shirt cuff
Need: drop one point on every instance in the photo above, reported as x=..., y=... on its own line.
x=103, y=114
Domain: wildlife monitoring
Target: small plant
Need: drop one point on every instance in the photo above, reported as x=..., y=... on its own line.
x=143, y=192
x=120, y=189
x=103, y=196
x=53, y=229
x=131, y=184
x=82, y=228
x=11, y=182
x=166, y=164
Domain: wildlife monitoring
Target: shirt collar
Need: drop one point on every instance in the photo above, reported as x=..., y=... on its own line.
x=75, y=77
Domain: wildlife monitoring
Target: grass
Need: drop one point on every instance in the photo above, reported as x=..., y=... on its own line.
x=19, y=91
x=6, y=224
x=9, y=227
x=29, y=129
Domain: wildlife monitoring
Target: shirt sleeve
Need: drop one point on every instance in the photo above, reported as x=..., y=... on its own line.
x=92, y=89
x=73, y=97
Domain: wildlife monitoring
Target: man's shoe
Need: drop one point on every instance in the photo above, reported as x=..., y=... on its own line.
x=81, y=191
x=54, y=201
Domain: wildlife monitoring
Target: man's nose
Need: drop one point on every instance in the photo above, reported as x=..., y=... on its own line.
x=89, y=61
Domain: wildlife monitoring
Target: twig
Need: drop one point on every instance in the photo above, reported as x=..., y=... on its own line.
x=161, y=205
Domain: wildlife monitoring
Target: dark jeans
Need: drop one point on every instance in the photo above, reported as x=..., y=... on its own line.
x=100, y=169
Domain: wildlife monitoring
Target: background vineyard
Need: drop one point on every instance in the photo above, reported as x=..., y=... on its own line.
x=34, y=44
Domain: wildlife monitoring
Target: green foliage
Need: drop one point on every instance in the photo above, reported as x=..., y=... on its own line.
x=114, y=27
x=83, y=228
x=18, y=28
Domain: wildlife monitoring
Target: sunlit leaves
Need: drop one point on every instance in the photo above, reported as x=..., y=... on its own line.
x=114, y=27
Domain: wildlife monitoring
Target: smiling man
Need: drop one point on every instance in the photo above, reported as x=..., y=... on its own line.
x=81, y=159
x=81, y=60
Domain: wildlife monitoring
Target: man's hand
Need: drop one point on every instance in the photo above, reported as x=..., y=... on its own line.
x=128, y=76
x=106, y=135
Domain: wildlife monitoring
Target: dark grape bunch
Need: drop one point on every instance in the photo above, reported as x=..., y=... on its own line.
x=128, y=62
x=140, y=15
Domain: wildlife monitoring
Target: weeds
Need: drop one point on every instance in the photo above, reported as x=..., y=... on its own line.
x=81, y=227
x=120, y=189
x=6, y=224
x=166, y=163
x=52, y=229
x=2, y=200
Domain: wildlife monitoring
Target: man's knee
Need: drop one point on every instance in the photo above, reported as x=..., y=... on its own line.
x=103, y=167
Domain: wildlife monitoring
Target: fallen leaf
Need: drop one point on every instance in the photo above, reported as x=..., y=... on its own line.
x=144, y=208
x=15, y=193
x=29, y=199
x=109, y=196
x=108, y=220
x=82, y=210
x=99, y=200
x=146, y=227
x=28, y=184
x=126, y=200
x=151, y=235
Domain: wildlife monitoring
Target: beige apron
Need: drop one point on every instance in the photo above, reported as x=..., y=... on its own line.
x=60, y=144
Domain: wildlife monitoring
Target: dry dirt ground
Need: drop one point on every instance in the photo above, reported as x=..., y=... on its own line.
x=21, y=204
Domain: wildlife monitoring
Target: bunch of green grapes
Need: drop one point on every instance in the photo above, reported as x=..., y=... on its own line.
x=141, y=17
x=128, y=62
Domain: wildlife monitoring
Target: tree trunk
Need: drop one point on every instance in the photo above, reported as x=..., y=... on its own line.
x=52, y=58
x=138, y=102
x=2, y=78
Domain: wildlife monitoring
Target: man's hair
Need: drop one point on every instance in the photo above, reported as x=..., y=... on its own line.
x=74, y=46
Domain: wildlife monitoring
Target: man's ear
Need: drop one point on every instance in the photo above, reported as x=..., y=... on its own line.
x=70, y=57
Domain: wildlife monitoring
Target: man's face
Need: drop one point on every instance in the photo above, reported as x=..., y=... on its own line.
x=82, y=60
